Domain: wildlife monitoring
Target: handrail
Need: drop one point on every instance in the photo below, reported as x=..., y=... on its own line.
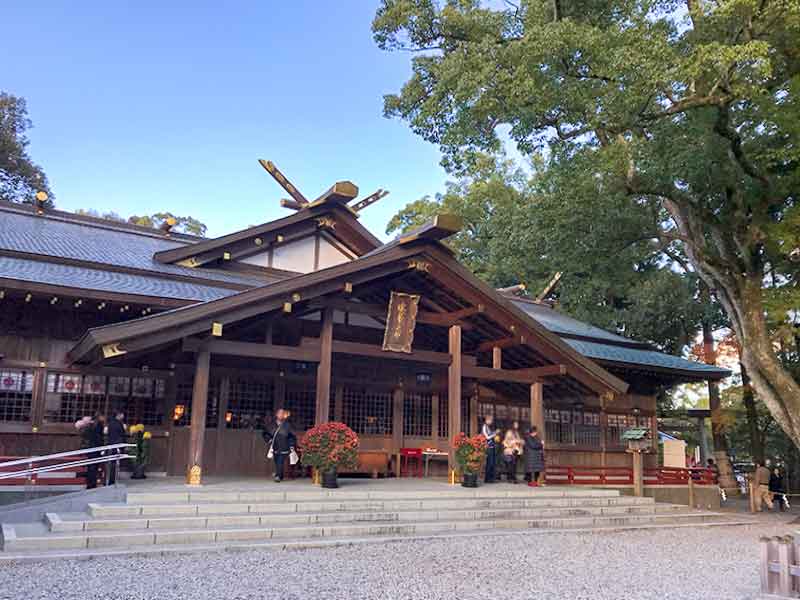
x=31, y=470
x=33, y=459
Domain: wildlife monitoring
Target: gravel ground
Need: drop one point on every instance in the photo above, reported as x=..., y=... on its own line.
x=659, y=564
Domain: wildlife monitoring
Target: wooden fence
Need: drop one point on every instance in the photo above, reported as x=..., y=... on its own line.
x=66, y=476
x=780, y=571
x=567, y=475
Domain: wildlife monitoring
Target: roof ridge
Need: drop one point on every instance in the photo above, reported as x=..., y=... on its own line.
x=99, y=222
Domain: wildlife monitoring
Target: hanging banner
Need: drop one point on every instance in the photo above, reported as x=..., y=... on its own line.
x=400, y=322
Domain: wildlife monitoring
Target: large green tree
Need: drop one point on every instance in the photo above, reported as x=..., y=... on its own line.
x=689, y=108
x=20, y=178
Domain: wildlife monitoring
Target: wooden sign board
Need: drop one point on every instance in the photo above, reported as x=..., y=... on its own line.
x=400, y=322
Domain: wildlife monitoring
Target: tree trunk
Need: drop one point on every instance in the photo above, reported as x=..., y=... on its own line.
x=737, y=284
x=710, y=357
x=748, y=399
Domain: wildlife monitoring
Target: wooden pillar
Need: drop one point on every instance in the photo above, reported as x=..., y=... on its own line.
x=338, y=403
x=398, y=399
x=324, y=368
x=454, y=389
x=194, y=469
x=279, y=397
x=39, y=399
x=638, y=474
x=537, y=409
x=474, y=426
x=435, y=418
x=497, y=357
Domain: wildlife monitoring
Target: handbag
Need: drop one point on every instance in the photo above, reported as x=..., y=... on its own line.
x=270, y=453
x=293, y=458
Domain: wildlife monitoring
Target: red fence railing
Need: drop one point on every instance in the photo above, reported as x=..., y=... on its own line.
x=65, y=476
x=569, y=475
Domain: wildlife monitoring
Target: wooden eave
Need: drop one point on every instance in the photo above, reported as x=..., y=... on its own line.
x=198, y=318
x=410, y=256
x=346, y=228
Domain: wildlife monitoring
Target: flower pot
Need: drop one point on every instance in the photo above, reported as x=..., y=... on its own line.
x=329, y=479
x=470, y=480
x=138, y=471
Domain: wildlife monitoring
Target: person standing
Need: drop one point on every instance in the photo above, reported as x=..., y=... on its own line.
x=512, y=448
x=93, y=438
x=714, y=468
x=776, y=488
x=489, y=433
x=281, y=441
x=116, y=435
x=761, y=490
x=534, y=457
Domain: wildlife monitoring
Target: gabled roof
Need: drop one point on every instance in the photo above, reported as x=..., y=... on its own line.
x=152, y=331
x=338, y=220
x=64, y=238
x=611, y=349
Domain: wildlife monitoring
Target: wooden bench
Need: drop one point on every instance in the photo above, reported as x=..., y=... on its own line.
x=371, y=462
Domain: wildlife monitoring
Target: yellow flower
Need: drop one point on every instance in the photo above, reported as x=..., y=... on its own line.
x=147, y=435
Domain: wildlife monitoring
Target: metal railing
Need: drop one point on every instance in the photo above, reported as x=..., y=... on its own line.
x=106, y=454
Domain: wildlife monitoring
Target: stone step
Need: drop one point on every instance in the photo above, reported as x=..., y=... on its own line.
x=82, y=522
x=188, y=495
x=20, y=539
x=327, y=542
x=199, y=508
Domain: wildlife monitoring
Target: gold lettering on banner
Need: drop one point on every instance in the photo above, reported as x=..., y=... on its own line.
x=400, y=322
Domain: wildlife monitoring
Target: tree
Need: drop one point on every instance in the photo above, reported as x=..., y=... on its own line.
x=188, y=225
x=516, y=231
x=20, y=177
x=688, y=108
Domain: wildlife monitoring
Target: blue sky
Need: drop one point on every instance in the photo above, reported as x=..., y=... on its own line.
x=143, y=107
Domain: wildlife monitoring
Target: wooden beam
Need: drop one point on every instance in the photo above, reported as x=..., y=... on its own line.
x=379, y=311
x=423, y=356
x=454, y=388
x=369, y=200
x=340, y=192
x=506, y=342
x=194, y=468
x=497, y=357
x=253, y=350
x=270, y=168
x=513, y=375
x=324, y=368
x=537, y=409
x=292, y=204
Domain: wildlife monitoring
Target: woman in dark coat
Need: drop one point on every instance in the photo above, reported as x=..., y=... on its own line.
x=534, y=457
x=281, y=440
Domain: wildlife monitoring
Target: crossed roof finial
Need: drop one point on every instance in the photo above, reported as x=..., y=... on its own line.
x=341, y=192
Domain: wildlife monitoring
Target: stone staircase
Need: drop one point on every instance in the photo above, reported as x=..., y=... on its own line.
x=203, y=520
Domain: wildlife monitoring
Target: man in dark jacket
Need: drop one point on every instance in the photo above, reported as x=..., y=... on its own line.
x=534, y=457
x=281, y=440
x=116, y=435
x=93, y=437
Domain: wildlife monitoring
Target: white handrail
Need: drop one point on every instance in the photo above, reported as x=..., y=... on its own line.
x=33, y=459
x=62, y=466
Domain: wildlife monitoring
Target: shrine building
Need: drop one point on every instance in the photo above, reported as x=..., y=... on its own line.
x=201, y=339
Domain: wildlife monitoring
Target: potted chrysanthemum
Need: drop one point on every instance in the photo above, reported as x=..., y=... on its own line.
x=330, y=447
x=141, y=453
x=469, y=455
